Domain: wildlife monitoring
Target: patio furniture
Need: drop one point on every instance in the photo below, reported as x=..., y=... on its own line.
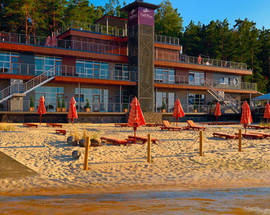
x=257, y=127
x=54, y=125
x=30, y=125
x=167, y=126
x=226, y=136
x=114, y=141
x=193, y=126
x=142, y=139
x=58, y=131
x=253, y=136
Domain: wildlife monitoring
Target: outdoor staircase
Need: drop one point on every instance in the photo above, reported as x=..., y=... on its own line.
x=224, y=99
x=24, y=88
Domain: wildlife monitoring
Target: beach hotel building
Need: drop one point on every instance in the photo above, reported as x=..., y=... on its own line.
x=112, y=61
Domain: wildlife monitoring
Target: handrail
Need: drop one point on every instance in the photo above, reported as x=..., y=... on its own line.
x=167, y=39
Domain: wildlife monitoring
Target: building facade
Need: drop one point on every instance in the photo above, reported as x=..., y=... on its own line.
x=112, y=61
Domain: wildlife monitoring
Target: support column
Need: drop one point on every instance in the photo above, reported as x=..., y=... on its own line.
x=79, y=99
x=121, y=109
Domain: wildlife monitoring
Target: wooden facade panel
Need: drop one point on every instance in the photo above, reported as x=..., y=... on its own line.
x=202, y=67
x=167, y=46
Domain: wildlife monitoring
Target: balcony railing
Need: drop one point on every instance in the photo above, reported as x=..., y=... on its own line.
x=184, y=80
x=163, y=56
x=167, y=39
x=64, y=70
x=76, y=45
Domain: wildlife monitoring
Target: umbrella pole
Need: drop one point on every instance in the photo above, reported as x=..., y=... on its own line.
x=40, y=118
x=135, y=128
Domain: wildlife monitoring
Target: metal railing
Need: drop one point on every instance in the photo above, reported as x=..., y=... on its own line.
x=184, y=80
x=65, y=70
x=167, y=39
x=77, y=45
x=201, y=61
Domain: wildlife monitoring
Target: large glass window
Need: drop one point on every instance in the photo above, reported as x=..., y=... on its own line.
x=165, y=100
x=164, y=75
x=98, y=98
x=92, y=69
x=51, y=95
x=121, y=72
x=9, y=62
x=45, y=63
x=196, y=78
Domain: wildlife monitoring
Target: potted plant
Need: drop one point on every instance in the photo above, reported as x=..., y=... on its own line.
x=195, y=108
x=87, y=106
x=125, y=108
x=58, y=109
x=63, y=105
x=163, y=107
x=32, y=106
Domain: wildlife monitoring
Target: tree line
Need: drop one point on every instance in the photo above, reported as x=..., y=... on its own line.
x=243, y=42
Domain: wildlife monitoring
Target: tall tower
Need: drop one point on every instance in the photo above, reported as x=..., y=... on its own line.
x=141, y=28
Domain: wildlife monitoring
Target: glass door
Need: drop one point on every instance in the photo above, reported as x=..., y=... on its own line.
x=96, y=102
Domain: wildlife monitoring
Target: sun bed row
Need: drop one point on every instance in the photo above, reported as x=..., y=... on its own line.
x=130, y=140
x=244, y=135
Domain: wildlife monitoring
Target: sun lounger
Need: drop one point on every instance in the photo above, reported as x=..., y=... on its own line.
x=142, y=139
x=252, y=136
x=226, y=136
x=29, y=125
x=61, y=132
x=193, y=126
x=115, y=141
x=54, y=125
x=263, y=134
x=121, y=125
x=166, y=126
x=257, y=127
x=220, y=123
x=152, y=124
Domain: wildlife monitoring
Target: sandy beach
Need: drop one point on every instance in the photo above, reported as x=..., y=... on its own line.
x=176, y=161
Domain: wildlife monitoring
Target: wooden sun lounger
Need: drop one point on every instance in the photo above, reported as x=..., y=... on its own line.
x=257, y=127
x=166, y=126
x=152, y=124
x=263, y=134
x=114, y=141
x=29, y=125
x=54, y=125
x=121, y=125
x=192, y=125
x=252, y=136
x=226, y=136
x=58, y=131
x=143, y=139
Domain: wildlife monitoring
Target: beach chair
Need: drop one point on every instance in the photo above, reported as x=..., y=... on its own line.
x=114, y=141
x=30, y=125
x=121, y=125
x=58, y=131
x=193, y=126
x=54, y=125
x=166, y=126
x=253, y=136
x=263, y=134
x=257, y=127
x=226, y=136
x=142, y=139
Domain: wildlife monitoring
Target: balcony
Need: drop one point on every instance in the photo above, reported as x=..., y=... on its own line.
x=201, y=61
x=184, y=80
x=67, y=71
x=75, y=45
x=167, y=40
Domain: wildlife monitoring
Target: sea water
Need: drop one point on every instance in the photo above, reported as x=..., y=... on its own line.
x=225, y=201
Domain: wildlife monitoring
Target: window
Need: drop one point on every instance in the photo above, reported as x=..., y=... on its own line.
x=9, y=62
x=164, y=75
x=196, y=78
x=165, y=100
x=45, y=63
x=121, y=72
x=91, y=69
x=196, y=99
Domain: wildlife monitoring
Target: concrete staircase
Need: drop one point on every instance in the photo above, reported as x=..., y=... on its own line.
x=24, y=88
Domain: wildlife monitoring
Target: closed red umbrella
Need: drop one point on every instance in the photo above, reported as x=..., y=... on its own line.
x=267, y=112
x=135, y=118
x=72, y=112
x=217, y=111
x=41, y=107
x=246, y=117
x=178, y=110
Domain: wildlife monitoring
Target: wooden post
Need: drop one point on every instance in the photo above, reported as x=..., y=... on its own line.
x=201, y=142
x=240, y=140
x=149, y=148
x=87, y=143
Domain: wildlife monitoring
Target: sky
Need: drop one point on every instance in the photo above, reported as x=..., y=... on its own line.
x=204, y=11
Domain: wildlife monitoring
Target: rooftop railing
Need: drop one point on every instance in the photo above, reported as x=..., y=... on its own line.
x=65, y=44
x=96, y=28
x=201, y=61
x=184, y=80
x=167, y=39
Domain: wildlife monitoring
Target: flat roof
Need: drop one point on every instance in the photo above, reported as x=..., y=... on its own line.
x=112, y=20
x=139, y=4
